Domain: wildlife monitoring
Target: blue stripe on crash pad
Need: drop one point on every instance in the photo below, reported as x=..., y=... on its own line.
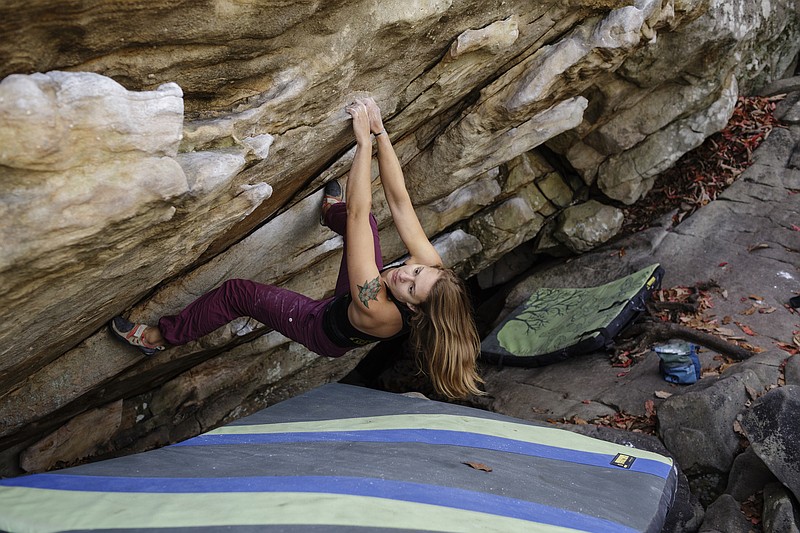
x=442, y=496
x=435, y=436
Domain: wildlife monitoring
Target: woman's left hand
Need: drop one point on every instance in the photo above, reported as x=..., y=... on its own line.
x=358, y=110
x=375, y=120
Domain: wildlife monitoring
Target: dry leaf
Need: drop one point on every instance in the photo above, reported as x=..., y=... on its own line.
x=725, y=331
x=663, y=394
x=749, y=311
x=579, y=421
x=759, y=246
x=746, y=329
x=750, y=347
x=766, y=310
x=650, y=407
x=727, y=319
x=756, y=297
x=478, y=466
x=737, y=428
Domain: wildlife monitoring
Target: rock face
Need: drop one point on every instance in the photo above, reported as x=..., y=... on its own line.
x=770, y=426
x=151, y=151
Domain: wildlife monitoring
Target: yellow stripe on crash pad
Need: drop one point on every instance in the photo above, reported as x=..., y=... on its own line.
x=546, y=436
x=21, y=511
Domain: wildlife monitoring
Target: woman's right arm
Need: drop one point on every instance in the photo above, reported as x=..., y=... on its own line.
x=394, y=187
x=370, y=310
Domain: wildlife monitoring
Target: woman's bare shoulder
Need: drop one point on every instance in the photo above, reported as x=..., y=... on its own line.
x=381, y=318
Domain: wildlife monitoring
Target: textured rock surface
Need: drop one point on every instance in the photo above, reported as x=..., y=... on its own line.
x=748, y=475
x=588, y=225
x=780, y=511
x=771, y=427
x=151, y=151
x=724, y=515
x=698, y=426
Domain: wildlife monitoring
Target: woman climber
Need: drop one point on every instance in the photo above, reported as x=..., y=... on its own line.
x=370, y=303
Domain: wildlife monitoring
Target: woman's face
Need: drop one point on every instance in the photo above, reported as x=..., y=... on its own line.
x=411, y=284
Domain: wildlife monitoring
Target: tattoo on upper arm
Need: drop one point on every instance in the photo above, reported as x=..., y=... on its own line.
x=369, y=291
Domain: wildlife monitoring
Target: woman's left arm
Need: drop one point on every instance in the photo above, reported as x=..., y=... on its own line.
x=404, y=216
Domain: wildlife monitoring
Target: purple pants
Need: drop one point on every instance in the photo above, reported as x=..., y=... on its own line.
x=293, y=315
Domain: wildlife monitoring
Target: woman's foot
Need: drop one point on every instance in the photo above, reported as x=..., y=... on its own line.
x=140, y=336
x=333, y=195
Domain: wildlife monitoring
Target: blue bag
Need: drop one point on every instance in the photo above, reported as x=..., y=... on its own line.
x=679, y=362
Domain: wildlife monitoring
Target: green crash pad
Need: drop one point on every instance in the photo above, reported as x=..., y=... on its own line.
x=554, y=324
x=343, y=458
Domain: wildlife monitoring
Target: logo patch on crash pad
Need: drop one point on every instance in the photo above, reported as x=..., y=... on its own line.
x=622, y=460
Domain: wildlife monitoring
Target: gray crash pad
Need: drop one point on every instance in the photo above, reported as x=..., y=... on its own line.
x=344, y=458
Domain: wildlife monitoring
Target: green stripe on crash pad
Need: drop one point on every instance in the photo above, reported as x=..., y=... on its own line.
x=101, y=510
x=483, y=426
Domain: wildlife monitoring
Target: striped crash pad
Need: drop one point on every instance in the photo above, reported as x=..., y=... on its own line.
x=343, y=458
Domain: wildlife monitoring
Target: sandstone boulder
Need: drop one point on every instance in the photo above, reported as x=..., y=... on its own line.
x=588, y=225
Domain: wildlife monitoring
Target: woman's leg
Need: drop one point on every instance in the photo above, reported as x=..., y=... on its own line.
x=336, y=219
x=280, y=309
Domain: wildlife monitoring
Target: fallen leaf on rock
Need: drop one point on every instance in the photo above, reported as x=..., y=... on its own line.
x=759, y=246
x=478, y=466
x=749, y=311
x=746, y=329
x=750, y=347
x=725, y=331
x=766, y=310
x=795, y=227
x=578, y=420
x=586, y=401
x=752, y=508
x=756, y=297
x=737, y=428
x=663, y=394
x=650, y=407
x=727, y=319
x=723, y=264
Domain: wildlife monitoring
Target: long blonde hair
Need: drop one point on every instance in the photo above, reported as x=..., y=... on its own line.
x=445, y=339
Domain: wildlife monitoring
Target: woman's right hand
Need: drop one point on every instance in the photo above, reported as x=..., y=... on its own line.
x=358, y=110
